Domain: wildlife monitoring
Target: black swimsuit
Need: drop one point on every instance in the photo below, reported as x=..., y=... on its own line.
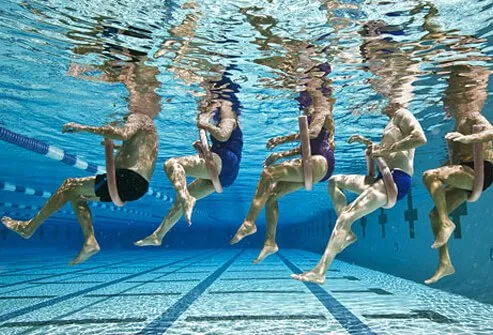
x=488, y=173
x=131, y=185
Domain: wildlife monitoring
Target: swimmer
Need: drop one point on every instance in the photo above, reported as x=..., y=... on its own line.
x=451, y=185
x=401, y=136
x=222, y=106
x=278, y=180
x=135, y=158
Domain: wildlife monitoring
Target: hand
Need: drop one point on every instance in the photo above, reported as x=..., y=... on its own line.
x=271, y=159
x=72, y=127
x=359, y=139
x=273, y=142
x=458, y=137
x=378, y=151
x=201, y=124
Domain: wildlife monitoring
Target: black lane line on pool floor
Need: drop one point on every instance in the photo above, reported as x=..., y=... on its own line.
x=415, y=314
x=29, y=309
x=166, y=319
x=66, y=273
x=378, y=291
x=280, y=317
x=69, y=322
x=143, y=294
x=260, y=291
x=103, y=299
x=348, y=320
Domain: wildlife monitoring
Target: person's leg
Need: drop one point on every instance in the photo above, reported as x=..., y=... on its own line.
x=91, y=246
x=368, y=201
x=71, y=189
x=339, y=183
x=198, y=189
x=454, y=199
x=177, y=170
x=272, y=216
x=289, y=171
x=435, y=180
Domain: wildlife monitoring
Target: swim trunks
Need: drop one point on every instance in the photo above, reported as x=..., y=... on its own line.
x=402, y=180
x=488, y=173
x=131, y=185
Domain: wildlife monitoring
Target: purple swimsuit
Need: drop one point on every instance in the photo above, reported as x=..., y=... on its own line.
x=320, y=145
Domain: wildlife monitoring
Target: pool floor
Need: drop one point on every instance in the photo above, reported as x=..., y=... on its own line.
x=156, y=291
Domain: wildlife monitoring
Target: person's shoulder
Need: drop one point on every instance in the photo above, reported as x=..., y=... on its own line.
x=404, y=114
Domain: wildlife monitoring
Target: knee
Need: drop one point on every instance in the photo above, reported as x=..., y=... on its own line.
x=332, y=183
x=429, y=177
x=267, y=175
x=68, y=186
x=169, y=164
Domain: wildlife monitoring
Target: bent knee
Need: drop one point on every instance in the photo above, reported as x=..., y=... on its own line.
x=430, y=176
x=170, y=163
x=332, y=182
x=69, y=186
x=267, y=174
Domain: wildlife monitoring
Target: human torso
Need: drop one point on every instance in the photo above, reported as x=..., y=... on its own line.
x=139, y=153
x=464, y=152
x=320, y=144
x=234, y=143
x=404, y=159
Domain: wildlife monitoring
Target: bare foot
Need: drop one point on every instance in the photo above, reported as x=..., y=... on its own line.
x=246, y=228
x=310, y=276
x=267, y=250
x=446, y=229
x=152, y=240
x=442, y=271
x=88, y=249
x=19, y=227
x=187, y=205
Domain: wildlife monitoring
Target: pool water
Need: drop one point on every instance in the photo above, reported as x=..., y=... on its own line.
x=428, y=56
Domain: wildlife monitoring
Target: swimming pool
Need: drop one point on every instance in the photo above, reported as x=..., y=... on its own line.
x=92, y=62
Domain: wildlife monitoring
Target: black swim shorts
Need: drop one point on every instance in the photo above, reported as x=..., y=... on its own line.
x=131, y=185
x=488, y=173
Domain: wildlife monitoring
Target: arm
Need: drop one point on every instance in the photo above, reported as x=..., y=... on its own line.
x=413, y=135
x=131, y=127
x=223, y=131
x=315, y=127
x=481, y=137
x=272, y=158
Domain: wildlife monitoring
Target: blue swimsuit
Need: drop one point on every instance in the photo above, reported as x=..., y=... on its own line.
x=230, y=153
x=402, y=180
x=230, y=150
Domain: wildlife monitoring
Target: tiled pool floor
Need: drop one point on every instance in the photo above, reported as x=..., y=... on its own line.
x=156, y=291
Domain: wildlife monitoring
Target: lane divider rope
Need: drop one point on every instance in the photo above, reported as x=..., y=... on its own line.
x=61, y=155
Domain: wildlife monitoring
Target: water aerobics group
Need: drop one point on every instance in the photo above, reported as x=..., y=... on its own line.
x=216, y=166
